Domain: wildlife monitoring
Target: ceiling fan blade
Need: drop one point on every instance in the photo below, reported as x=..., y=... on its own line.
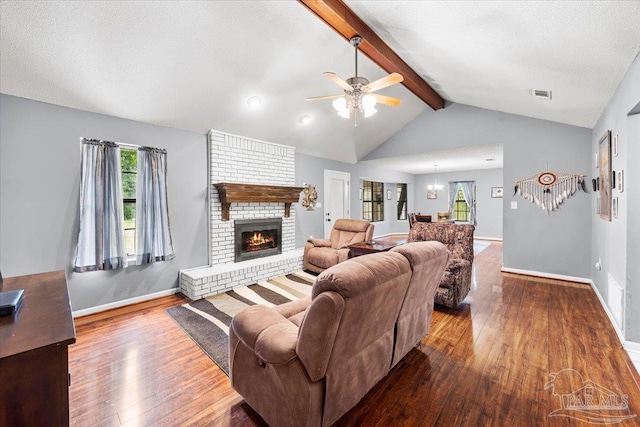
x=389, y=80
x=320, y=98
x=337, y=80
x=386, y=100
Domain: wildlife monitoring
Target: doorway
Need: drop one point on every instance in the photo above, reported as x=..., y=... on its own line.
x=336, y=198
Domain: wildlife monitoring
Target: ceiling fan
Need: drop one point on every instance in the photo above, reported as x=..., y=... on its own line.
x=358, y=92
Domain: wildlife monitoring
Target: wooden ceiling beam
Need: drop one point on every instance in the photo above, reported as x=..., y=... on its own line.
x=338, y=16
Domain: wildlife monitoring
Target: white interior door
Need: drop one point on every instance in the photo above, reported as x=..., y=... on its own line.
x=336, y=198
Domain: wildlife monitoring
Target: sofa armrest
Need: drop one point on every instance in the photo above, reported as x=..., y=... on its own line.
x=270, y=335
x=320, y=243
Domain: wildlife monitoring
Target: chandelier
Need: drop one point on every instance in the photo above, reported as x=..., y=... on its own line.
x=435, y=185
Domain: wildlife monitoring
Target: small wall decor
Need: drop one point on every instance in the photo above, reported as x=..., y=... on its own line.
x=613, y=179
x=604, y=150
x=549, y=189
x=497, y=192
x=621, y=181
x=432, y=194
x=309, y=197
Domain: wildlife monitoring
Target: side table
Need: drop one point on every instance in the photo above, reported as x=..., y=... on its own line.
x=371, y=247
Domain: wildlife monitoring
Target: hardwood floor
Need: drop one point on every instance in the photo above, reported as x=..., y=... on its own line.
x=485, y=363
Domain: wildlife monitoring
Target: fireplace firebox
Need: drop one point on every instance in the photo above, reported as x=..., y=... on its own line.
x=257, y=238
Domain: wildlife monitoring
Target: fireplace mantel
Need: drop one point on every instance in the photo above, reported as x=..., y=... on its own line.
x=254, y=193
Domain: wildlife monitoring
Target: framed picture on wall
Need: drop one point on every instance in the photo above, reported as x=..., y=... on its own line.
x=432, y=194
x=497, y=192
x=604, y=156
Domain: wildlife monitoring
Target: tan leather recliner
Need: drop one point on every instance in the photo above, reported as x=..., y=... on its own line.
x=306, y=363
x=320, y=254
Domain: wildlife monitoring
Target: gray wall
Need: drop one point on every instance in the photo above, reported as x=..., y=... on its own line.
x=39, y=204
x=310, y=170
x=616, y=242
x=557, y=243
x=488, y=209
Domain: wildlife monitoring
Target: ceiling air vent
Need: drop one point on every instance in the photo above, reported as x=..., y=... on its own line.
x=541, y=94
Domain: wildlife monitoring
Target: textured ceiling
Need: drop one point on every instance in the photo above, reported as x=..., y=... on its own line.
x=193, y=65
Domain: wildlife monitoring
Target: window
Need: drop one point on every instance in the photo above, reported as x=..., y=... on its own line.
x=372, y=201
x=128, y=160
x=461, y=211
x=401, y=197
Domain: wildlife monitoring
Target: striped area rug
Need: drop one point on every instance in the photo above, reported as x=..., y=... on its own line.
x=207, y=320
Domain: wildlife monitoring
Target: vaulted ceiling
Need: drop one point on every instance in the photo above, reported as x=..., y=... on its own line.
x=194, y=65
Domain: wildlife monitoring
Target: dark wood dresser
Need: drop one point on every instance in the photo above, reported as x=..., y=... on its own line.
x=34, y=369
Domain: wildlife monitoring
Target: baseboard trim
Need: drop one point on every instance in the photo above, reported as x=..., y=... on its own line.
x=381, y=236
x=632, y=348
x=492, y=239
x=605, y=307
x=123, y=303
x=546, y=275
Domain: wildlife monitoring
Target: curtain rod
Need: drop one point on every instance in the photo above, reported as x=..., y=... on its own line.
x=124, y=144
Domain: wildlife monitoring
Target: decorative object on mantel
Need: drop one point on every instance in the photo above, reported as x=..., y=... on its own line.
x=256, y=193
x=309, y=197
x=549, y=189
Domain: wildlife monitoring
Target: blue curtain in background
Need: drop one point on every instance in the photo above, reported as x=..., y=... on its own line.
x=453, y=191
x=101, y=238
x=153, y=232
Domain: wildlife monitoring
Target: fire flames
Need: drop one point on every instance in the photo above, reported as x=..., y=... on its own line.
x=257, y=242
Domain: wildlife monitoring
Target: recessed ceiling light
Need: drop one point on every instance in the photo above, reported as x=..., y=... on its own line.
x=490, y=160
x=304, y=120
x=541, y=94
x=254, y=102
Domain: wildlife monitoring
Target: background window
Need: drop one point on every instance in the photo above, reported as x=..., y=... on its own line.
x=372, y=201
x=461, y=210
x=128, y=159
x=401, y=197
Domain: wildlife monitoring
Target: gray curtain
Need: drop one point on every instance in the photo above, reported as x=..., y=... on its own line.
x=453, y=190
x=469, y=191
x=101, y=238
x=153, y=232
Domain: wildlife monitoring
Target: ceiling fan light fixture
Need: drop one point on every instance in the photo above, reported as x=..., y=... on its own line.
x=368, y=112
x=340, y=104
x=357, y=97
x=368, y=101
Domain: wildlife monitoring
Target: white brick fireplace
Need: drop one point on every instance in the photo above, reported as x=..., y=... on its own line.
x=237, y=159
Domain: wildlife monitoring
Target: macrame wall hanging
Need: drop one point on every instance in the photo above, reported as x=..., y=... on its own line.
x=549, y=189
